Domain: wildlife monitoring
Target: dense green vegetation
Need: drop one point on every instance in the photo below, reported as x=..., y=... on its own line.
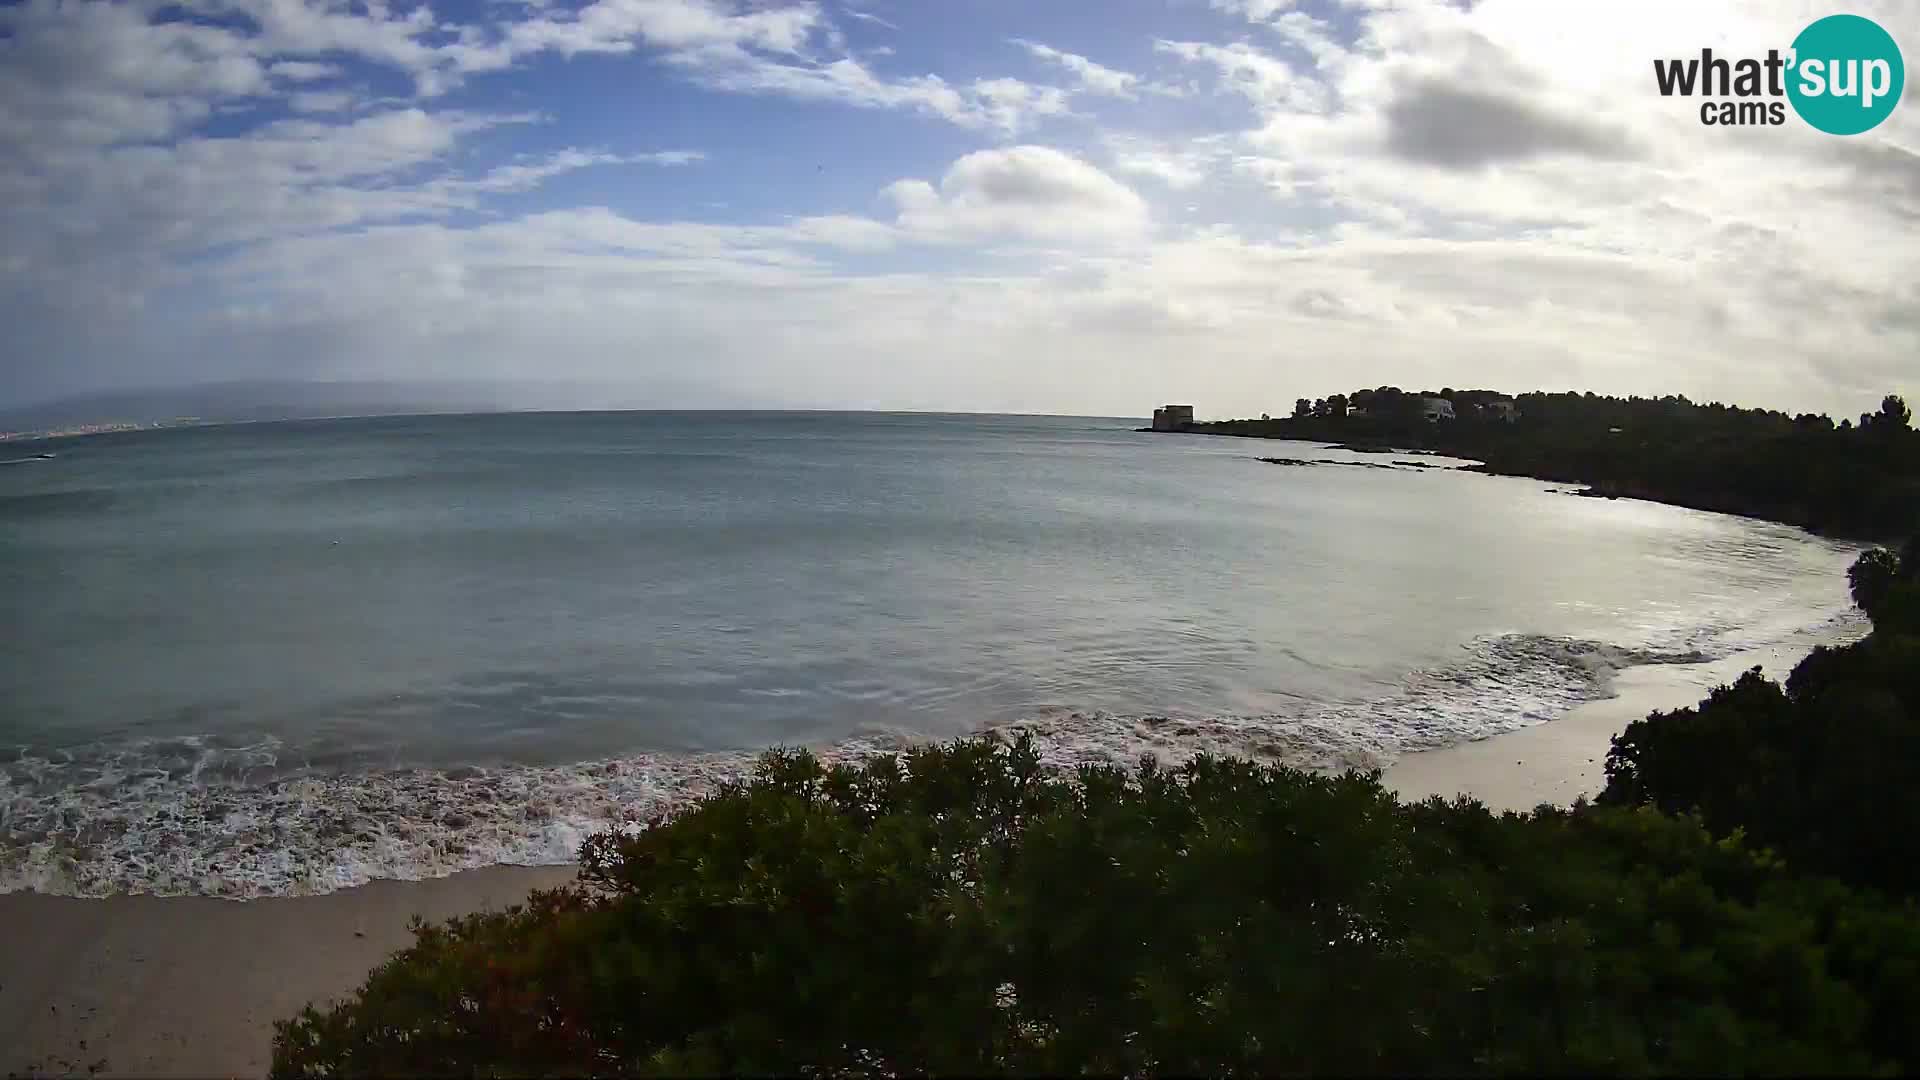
x=1825, y=771
x=1847, y=479
x=961, y=909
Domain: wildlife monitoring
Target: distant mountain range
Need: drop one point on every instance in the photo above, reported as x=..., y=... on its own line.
x=293, y=400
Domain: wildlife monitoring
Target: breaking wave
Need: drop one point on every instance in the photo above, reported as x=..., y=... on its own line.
x=194, y=816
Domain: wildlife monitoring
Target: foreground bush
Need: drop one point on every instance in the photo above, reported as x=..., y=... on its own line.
x=959, y=909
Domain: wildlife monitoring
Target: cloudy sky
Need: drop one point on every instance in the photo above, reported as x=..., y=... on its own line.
x=1087, y=206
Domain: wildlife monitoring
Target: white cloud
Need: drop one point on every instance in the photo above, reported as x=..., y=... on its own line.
x=618, y=26
x=869, y=17
x=319, y=101
x=842, y=231
x=1093, y=78
x=1253, y=10
x=1182, y=165
x=1263, y=79
x=1457, y=124
x=790, y=50
x=94, y=74
x=1429, y=192
x=670, y=157
x=525, y=176
x=1515, y=178
x=1310, y=34
x=1008, y=105
x=1012, y=105
x=292, y=27
x=1029, y=192
x=304, y=70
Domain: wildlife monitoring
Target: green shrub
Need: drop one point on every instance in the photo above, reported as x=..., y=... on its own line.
x=960, y=909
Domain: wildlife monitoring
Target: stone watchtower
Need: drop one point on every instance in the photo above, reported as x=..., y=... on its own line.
x=1173, y=418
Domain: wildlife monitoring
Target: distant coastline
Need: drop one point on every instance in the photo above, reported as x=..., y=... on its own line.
x=78, y=430
x=1843, y=480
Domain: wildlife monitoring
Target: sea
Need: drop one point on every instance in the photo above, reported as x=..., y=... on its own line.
x=286, y=658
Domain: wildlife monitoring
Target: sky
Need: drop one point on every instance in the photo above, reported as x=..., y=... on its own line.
x=1069, y=206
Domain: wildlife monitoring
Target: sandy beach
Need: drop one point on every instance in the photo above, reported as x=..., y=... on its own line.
x=1561, y=761
x=190, y=986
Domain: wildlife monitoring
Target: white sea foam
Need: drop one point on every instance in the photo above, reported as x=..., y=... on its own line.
x=193, y=817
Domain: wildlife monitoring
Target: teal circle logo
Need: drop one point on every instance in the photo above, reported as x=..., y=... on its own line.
x=1847, y=75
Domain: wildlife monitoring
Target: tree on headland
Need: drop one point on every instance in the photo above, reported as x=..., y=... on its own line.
x=1894, y=416
x=1302, y=408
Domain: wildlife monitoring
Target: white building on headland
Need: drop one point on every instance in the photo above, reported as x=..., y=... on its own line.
x=1435, y=408
x=1172, y=417
x=1503, y=409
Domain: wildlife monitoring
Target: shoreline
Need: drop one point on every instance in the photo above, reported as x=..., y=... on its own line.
x=1587, y=488
x=190, y=986
x=1564, y=759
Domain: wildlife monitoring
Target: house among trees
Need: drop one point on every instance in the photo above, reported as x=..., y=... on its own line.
x=1392, y=405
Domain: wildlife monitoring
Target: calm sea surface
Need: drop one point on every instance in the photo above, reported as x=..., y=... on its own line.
x=289, y=657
